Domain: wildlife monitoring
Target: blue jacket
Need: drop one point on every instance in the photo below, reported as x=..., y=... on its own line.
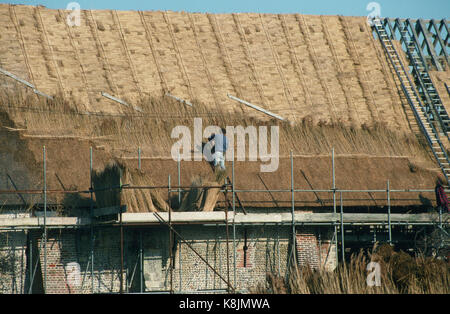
x=221, y=142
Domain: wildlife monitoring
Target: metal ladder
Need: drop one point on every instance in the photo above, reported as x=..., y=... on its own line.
x=428, y=92
x=419, y=110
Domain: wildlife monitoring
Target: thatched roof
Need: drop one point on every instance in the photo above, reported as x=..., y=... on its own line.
x=325, y=74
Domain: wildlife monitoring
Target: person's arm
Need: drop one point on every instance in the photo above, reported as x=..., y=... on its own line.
x=211, y=137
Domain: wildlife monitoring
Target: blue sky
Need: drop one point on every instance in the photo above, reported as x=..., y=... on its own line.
x=436, y=9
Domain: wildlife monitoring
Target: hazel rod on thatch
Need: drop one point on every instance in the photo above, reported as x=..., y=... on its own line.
x=28, y=84
x=257, y=108
x=121, y=102
x=179, y=99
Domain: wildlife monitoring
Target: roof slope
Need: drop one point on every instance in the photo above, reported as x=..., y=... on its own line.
x=327, y=68
x=325, y=72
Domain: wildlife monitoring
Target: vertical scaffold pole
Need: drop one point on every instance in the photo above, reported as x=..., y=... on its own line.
x=332, y=169
x=389, y=212
x=293, y=210
x=179, y=179
x=30, y=263
x=228, y=237
x=92, y=219
x=278, y=250
x=320, y=250
x=334, y=204
x=45, y=220
x=139, y=158
x=141, y=261
x=342, y=230
x=170, y=237
x=180, y=267
x=121, y=254
x=234, y=219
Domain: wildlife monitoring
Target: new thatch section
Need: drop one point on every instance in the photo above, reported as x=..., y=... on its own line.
x=325, y=74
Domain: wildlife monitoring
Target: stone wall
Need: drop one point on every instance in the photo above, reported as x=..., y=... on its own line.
x=13, y=261
x=266, y=251
x=260, y=249
x=69, y=261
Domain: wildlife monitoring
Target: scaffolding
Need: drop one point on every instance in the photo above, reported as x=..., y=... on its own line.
x=335, y=221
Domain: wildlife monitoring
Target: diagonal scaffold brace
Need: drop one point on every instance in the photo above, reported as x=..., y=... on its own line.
x=161, y=220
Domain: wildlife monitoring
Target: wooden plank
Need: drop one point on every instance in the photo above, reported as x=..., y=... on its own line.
x=431, y=50
x=219, y=217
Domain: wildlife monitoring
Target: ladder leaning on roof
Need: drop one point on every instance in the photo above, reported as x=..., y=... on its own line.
x=423, y=119
x=425, y=87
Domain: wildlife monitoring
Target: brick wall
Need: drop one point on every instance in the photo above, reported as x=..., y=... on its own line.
x=314, y=250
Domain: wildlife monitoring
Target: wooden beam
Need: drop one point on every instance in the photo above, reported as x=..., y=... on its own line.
x=438, y=37
x=431, y=50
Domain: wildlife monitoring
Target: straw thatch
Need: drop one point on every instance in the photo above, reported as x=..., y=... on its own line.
x=106, y=184
x=200, y=198
x=326, y=74
x=324, y=68
x=151, y=200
